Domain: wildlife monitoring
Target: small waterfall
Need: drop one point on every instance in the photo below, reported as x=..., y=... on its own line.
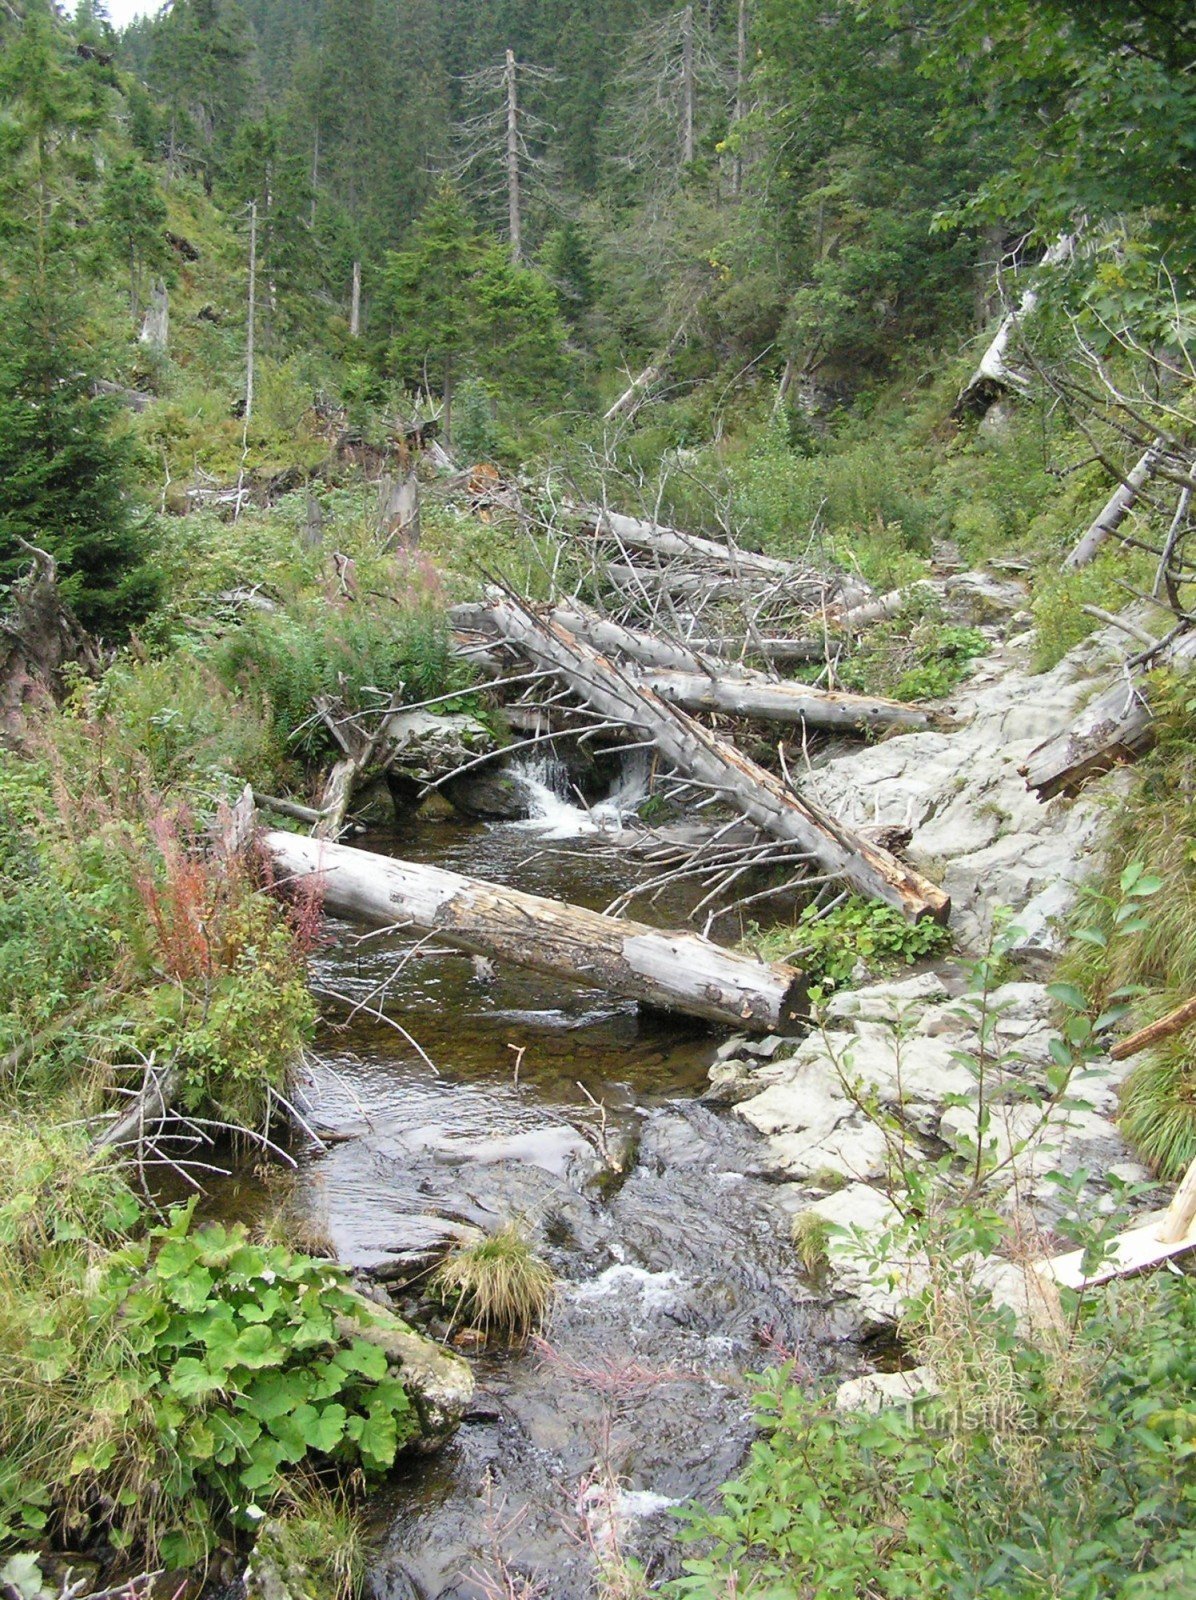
x=559, y=812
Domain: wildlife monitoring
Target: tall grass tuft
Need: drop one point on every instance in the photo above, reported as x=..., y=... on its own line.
x=500, y=1287
x=1153, y=827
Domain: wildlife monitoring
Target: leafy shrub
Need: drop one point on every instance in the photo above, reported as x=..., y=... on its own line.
x=919, y=1501
x=289, y=659
x=1059, y=599
x=829, y=947
x=914, y=655
x=174, y=1383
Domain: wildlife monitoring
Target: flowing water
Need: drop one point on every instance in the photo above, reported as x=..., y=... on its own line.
x=580, y=1114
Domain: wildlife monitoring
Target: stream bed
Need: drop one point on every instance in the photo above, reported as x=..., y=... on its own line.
x=580, y=1115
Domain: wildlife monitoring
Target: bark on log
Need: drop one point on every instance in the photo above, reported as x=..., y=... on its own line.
x=677, y=971
x=741, y=696
x=700, y=754
x=1114, y=512
x=1174, y=1022
x=632, y=533
x=1116, y=726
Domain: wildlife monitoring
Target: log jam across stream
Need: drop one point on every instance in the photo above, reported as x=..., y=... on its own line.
x=677, y=1277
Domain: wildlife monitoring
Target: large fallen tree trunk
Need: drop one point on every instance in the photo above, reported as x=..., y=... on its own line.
x=742, y=696
x=1116, y=726
x=699, y=754
x=682, y=677
x=677, y=971
x=632, y=533
x=1114, y=512
x=712, y=656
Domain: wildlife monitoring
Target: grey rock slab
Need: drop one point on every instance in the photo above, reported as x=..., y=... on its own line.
x=888, y=1001
x=874, y=1390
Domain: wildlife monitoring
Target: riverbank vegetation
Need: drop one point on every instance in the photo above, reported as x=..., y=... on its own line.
x=273, y=276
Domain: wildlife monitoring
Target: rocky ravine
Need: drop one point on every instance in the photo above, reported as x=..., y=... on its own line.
x=977, y=830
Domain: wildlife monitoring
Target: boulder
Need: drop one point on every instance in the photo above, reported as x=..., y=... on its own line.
x=439, y=1384
x=875, y=1390
x=490, y=793
x=426, y=747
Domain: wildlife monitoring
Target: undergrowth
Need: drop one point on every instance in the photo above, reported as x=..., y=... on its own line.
x=1096, y=1501
x=1150, y=832
x=829, y=946
x=915, y=655
x=161, y=1386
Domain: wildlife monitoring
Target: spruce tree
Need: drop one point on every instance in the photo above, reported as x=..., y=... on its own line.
x=65, y=471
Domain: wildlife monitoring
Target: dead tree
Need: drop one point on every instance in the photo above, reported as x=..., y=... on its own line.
x=676, y=971
x=715, y=764
x=997, y=372
x=1116, y=726
x=673, y=79
x=39, y=637
x=500, y=141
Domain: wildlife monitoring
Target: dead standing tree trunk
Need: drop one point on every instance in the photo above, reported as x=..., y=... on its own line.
x=716, y=764
x=39, y=636
x=514, y=209
x=677, y=971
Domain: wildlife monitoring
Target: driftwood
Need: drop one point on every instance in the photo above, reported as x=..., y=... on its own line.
x=1116, y=726
x=716, y=764
x=677, y=971
x=1174, y=1022
x=1114, y=512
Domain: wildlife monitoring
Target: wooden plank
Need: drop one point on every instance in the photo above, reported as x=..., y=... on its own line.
x=1161, y=1237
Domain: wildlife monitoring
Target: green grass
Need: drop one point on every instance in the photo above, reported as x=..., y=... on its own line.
x=500, y=1287
x=1151, y=829
x=811, y=1236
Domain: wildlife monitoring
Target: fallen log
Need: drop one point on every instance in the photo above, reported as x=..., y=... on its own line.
x=1114, y=511
x=699, y=654
x=1174, y=1022
x=758, y=697
x=1162, y=1236
x=685, y=679
x=676, y=971
x=1116, y=726
x=880, y=608
x=635, y=534
x=702, y=755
